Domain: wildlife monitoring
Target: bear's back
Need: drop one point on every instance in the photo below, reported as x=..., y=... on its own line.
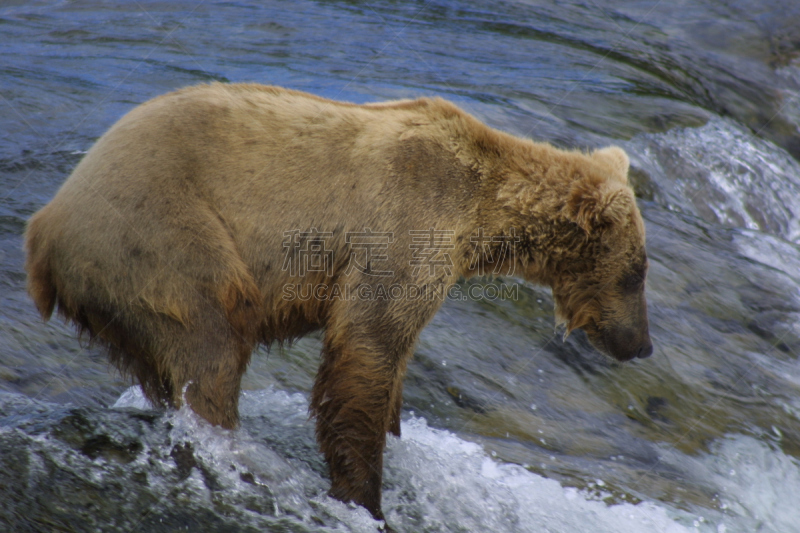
x=202, y=183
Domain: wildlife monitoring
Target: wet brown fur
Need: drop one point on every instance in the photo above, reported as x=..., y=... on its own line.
x=166, y=244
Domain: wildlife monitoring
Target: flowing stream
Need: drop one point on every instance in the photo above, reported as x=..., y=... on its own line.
x=506, y=427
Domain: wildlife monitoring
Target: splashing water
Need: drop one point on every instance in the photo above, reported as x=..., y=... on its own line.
x=724, y=174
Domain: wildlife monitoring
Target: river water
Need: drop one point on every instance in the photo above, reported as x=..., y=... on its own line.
x=505, y=427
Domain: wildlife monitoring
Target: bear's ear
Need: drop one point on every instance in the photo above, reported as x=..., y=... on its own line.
x=595, y=205
x=615, y=159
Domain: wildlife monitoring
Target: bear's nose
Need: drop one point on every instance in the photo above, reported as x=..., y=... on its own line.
x=645, y=351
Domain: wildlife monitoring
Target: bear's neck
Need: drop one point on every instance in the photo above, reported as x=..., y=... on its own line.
x=530, y=212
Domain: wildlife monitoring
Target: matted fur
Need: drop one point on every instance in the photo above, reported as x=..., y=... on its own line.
x=167, y=244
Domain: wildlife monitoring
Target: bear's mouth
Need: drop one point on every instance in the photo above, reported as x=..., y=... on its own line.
x=596, y=339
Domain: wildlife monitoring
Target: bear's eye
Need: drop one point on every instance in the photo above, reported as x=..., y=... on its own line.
x=634, y=279
x=632, y=282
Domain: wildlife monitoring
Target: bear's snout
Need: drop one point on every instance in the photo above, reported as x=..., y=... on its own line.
x=624, y=344
x=646, y=350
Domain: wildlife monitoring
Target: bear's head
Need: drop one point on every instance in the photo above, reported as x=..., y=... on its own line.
x=587, y=242
x=600, y=289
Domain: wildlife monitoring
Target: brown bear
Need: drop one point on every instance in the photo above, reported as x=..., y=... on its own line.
x=215, y=218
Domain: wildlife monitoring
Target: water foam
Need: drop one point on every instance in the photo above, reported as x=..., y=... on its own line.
x=437, y=481
x=434, y=480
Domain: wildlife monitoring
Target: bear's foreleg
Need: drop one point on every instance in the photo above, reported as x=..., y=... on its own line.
x=394, y=423
x=356, y=399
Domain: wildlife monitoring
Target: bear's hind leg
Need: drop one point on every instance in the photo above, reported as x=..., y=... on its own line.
x=212, y=361
x=201, y=361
